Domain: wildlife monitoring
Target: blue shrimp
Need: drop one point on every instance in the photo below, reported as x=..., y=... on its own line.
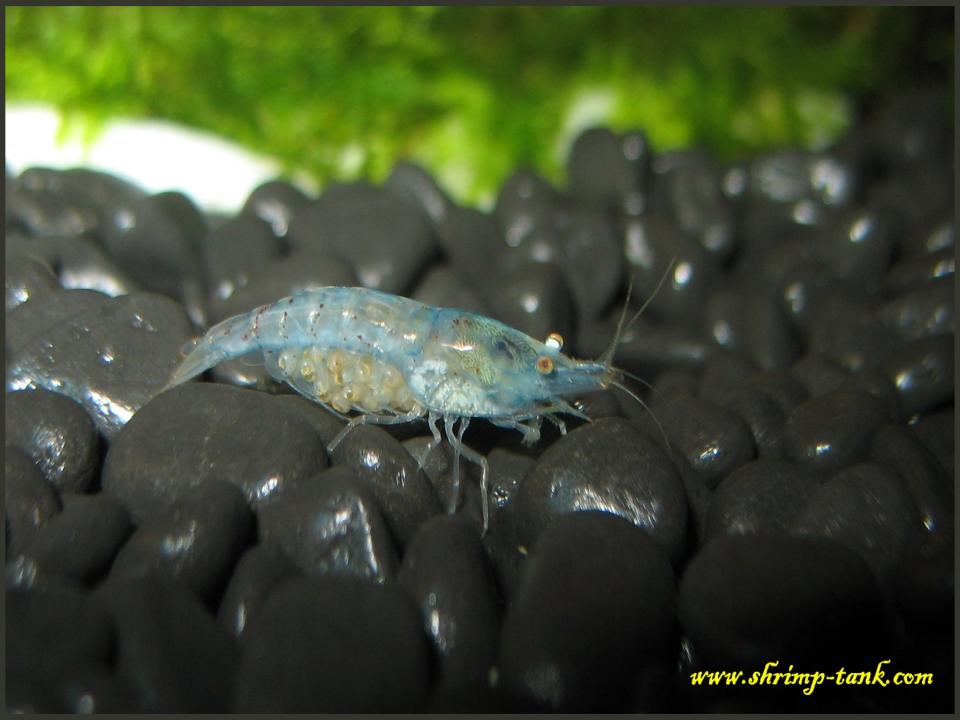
x=392, y=360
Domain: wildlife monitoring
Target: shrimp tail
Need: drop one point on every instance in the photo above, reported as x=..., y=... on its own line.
x=226, y=340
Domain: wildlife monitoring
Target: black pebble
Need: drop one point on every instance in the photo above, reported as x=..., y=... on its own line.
x=923, y=373
x=445, y=572
x=745, y=600
x=596, y=601
x=335, y=645
x=275, y=202
x=712, y=439
x=259, y=570
x=195, y=543
x=29, y=500
x=26, y=276
x=409, y=180
x=866, y=508
x=534, y=298
x=83, y=539
x=201, y=431
x=606, y=465
x=760, y=497
x=57, y=433
x=331, y=524
x=385, y=236
x=234, y=252
x=172, y=655
x=111, y=355
x=401, y=489
x=832, y=431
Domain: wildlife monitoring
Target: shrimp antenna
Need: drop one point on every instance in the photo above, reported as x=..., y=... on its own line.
x=607, y=356
x=628, y=391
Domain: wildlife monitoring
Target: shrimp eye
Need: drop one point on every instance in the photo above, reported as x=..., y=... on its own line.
x=544, y=365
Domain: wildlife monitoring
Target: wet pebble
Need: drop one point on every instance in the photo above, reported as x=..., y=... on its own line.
x=473, y=244
x=604, y=167
x=236, y=251
x=936, y=432
x=157, y=242
x=302, y=270
x=845, y=329
x=762, y=496
x=195, y=543
x=611, y=466
x=596, y=601
x=699, y=206
x=77, y=263
x=363, y=644
x=922, y=372
x=747, y=599
x=443, y=287
x=921, y=313
x=29, y=500
x=202, y=431
x=259, y=570
x=170, y=652
x=916, y=273
x=82, y=540
x=109, y=355
x=407, y=179
x=712, y=439
x=866, y=508
x=57, y=433
x=761, y=413
x=929, y=485
x=404, y=494
x=445, y=572
x=860, y=245
x=275, y=202
x=924, y=585
x=782, y=387
x=26, y=276
x=386, y=237
x=331, y=525
x=832, y=431
x=535, y=299
x=325, y=423
x=44, y=212
x=49, y=631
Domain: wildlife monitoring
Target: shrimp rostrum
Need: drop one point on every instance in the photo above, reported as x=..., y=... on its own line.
x=390, y=359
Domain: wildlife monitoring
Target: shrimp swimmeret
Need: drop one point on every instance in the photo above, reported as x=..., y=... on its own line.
x=393, y=360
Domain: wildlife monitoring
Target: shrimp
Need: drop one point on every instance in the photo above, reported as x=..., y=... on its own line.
x=393, y=360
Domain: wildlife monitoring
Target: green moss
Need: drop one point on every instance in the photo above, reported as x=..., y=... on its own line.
x=469, y=91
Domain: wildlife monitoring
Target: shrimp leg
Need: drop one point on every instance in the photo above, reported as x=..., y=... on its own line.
x=437, y=439
x=372, y=419
x=473, y=456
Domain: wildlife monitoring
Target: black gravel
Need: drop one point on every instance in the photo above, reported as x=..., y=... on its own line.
x=786, y=496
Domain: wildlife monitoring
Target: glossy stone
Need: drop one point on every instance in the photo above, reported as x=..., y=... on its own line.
x=596, y=600
x=409, y=180
x=762, y=496
x=923, y=373
x=929, y=485
x=364, y=645
x=82, y=540
x=109, y=355
x=699, y=206
x=866, y=508
x=77, y=263
x=443, y=287
x=745, y=599
x=259, y=570
x=473, y=243
x=445, y=572
x=606, y=465
x=404, y=494
x=170, y=652
x=713, y=440
x=761, y=413
x=275, y=202
x=331, y=525
x=195, y=544
x=29, y=500
x=603, y=167
x=832, y=431
x=237, y=251
x=300, y=271
x=386, y=237
x=921, y=313
x=57, y=434
x=26, y=276
x=202, y=431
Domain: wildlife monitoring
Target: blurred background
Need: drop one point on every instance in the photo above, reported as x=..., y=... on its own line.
x=223, y=98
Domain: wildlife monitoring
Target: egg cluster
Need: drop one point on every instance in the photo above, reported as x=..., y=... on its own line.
x=346, y=380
